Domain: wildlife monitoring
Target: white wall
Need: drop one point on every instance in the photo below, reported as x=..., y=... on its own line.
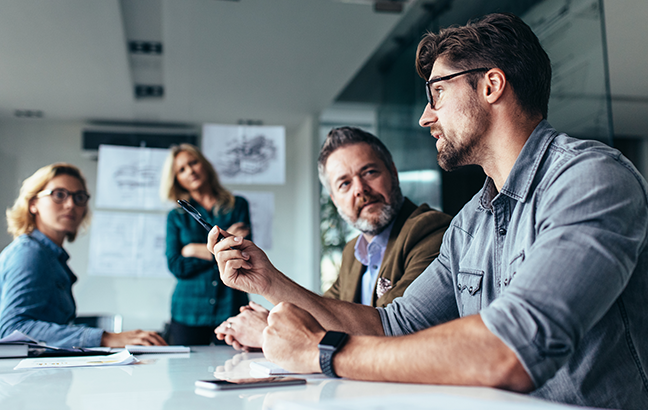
x=26, y=145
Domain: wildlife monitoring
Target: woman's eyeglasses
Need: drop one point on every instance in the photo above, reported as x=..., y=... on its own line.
x=59, y=195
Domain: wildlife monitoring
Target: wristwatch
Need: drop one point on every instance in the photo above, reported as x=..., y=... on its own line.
x=328, y=346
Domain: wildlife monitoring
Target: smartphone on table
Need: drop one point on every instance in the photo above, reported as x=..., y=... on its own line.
x=220, y=384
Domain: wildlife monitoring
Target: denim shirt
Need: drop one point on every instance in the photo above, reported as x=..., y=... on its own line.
x=556, y=264
x=36, y=293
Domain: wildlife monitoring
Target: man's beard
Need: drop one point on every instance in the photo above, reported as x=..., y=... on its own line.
x=386, y=214
x=454, y=155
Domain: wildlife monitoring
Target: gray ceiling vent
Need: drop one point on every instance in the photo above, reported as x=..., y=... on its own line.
x=143, y=32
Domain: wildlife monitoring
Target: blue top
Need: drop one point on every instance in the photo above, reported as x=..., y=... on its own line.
x=371, y=255
x=36, y=293
x=556, y=264
x=200, y=297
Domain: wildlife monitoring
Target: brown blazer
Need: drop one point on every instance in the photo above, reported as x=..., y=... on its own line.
x=413, y=244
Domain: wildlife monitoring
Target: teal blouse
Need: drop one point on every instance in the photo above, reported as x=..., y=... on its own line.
x=200, y=298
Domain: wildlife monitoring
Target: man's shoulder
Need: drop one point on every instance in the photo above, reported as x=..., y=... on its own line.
x=588, y=161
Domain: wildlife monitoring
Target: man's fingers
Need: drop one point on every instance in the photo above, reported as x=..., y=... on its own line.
x=257, y=308
x=224, y=256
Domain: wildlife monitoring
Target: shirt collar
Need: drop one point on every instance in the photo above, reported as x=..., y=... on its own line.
x=43, y=240
x=518, y=183
x=362, y=246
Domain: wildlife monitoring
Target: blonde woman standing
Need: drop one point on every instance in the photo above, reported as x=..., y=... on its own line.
x=35, y=280
x=200, y=300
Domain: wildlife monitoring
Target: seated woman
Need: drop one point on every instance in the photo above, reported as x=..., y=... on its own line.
x=35, y=280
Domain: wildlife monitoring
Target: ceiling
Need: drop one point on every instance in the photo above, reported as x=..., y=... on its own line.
x=274, y=61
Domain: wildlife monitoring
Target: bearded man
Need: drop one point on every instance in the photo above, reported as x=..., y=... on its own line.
x=398, y=240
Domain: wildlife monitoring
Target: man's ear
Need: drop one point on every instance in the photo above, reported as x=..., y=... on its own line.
x=494, y=85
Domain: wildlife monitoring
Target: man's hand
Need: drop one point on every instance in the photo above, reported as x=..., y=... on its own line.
x=242, y=264
x=132, y=337
x=244, y=331
x=291, y=338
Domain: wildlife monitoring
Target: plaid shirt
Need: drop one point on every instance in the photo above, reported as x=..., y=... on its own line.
x=200, y=297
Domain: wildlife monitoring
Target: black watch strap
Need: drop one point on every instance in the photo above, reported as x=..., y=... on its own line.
x=330, y=344
x=326, y=363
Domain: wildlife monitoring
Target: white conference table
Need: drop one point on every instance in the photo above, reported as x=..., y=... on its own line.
x=166, y=381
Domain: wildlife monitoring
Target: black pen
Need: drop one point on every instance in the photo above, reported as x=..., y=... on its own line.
x=196, y=215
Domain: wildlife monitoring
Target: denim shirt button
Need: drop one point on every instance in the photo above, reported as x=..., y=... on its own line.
x=214, y=283
x=502, y=231
x=212, y=301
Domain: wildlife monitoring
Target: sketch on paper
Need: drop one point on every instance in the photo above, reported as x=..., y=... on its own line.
x=249, y=157
x=129, y=178
x=134, y=176
x=128, y=244
x=246, y=154
x=261, y=216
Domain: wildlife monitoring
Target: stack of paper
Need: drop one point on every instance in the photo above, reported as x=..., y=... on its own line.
x=121, y=358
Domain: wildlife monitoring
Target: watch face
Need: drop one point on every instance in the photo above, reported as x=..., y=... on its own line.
x=332, y=339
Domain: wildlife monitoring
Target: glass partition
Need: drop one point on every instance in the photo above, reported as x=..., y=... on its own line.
x=571, y=31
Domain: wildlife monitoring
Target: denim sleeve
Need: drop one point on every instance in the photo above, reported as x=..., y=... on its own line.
x=427, y=302
x=590, y=227
x=179, y=266
x=30, y=295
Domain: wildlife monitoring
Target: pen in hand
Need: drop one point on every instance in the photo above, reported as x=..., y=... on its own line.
x=196, y=215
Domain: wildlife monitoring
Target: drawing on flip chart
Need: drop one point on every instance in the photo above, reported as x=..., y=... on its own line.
x=135, y=176
x=129, y=178
x=246, y=154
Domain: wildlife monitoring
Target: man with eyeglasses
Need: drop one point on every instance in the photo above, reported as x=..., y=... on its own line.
x=541, y=280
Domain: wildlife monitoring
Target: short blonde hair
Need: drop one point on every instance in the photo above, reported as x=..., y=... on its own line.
x=19, y=219
x=170, y=188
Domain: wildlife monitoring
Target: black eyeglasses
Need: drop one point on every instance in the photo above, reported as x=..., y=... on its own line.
x=59, y=195
x=432, y=96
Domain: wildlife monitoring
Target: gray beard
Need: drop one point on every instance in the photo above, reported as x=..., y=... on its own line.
x=387, y=215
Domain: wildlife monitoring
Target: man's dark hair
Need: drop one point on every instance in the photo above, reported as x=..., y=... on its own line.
x=500, y=40
x=344, y=136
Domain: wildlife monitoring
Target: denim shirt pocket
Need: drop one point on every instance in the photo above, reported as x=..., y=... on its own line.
x=469, y=292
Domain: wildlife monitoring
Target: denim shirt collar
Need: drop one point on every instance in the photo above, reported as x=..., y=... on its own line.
x=46, y=242
x=518, y=183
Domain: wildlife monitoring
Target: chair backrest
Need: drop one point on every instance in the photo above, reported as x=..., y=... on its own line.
x=109, y=323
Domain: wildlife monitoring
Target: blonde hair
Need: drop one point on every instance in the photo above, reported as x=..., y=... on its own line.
x=19, y=219
x=170, y=188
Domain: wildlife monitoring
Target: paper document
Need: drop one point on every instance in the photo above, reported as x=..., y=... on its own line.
x=157, y=349
x=121, y=358
x=17, y=336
